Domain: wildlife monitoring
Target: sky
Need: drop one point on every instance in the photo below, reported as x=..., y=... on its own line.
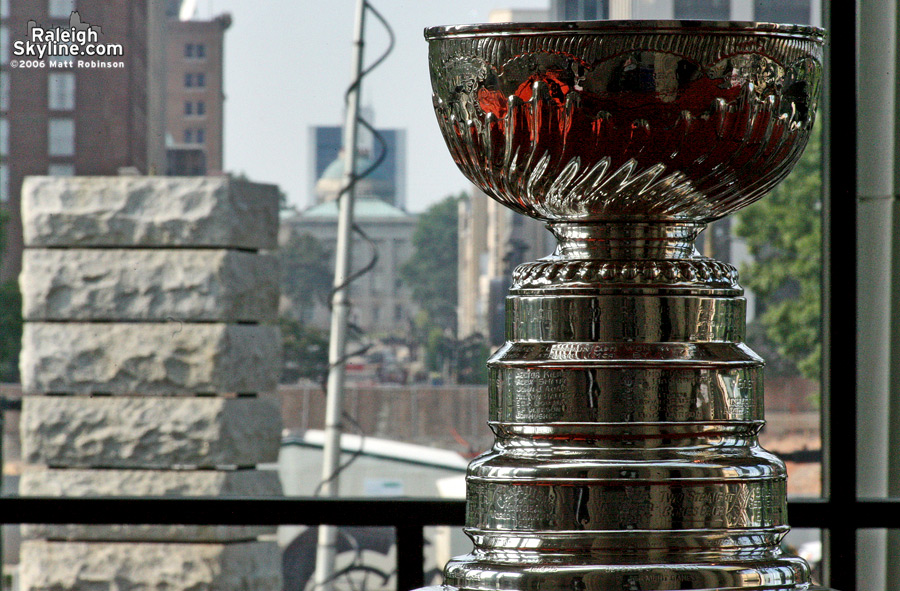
x=288, y=63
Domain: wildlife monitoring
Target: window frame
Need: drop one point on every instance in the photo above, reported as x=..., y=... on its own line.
x=840, y=513
x=61, y=91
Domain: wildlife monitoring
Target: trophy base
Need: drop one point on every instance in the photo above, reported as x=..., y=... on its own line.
x=793, y=588
x=658, y=572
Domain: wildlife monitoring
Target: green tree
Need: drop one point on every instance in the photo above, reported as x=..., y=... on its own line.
x=431, y=272
x=304, y=352
x=784, y=234
x=306, y=275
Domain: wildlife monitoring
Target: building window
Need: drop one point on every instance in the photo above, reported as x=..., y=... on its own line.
x=194, y=108
x=579, y=10
x=195, y=50
x=60, y=8
x=4, y=44
x=4, y=183
x=786, y=11
x=4, y=91
x=201, y=136
x=4, y=136
x=61, y=170
x=61, y=91
x=61, y=59
x=197, y=80
x=715, y=10
x=61, y=137
x=189, y=136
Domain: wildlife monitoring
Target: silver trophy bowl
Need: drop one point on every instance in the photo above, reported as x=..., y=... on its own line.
x=625, y=403
x=625, y=120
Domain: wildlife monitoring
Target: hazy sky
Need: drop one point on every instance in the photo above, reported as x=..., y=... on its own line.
x=287, y=65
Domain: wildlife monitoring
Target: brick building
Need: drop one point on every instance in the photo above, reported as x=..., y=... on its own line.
x=195, y=95
x=64, y=120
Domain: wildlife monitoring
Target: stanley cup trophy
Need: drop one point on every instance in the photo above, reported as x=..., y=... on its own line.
x=625, y=404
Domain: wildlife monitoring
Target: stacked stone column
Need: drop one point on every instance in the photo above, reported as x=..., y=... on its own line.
x=150, y=306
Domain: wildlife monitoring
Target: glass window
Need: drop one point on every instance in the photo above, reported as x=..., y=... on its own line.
x=579, y=10
x=200, y=50
x=61, y=91
x=785, y=11
x=717, y=10
x=188, y=108
x=61, y=170
x=4, y=44
x=4, y=91
x=201, y=108
x=189, y=50
x=201, y=136
x=61, y=137
x=188, y=80
x=189, y=136
x=60, y=8
x=201, y=80
x=4, y=183
x=4, y=136
x=66, y=50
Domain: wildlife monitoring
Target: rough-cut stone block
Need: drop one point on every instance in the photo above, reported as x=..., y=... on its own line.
x=115, y=284
x=150, y=483
x=149, y=212
x=107, y=432
x=167, y=359
x=71, y=566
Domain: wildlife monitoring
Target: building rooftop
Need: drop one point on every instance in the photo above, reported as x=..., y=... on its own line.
x=363, y=208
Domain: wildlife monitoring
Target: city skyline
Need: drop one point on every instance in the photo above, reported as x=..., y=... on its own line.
x=272, y=102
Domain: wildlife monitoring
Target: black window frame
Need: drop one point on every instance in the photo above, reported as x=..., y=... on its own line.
x=840, y=513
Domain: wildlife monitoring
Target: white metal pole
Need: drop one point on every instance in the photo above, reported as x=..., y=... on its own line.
x=331, y=452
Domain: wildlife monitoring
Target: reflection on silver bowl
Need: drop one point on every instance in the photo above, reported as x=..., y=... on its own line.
x=620, y=120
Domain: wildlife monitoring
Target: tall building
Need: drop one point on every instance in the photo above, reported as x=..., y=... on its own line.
x=783, y=11
x=326, y=156
x=75, y=115
x=493, y=241
x=195, y=95
x=381, y=304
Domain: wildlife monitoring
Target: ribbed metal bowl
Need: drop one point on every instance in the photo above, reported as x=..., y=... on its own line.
x=626, y=120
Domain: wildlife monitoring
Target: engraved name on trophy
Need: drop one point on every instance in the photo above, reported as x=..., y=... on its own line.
x=625, y=404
